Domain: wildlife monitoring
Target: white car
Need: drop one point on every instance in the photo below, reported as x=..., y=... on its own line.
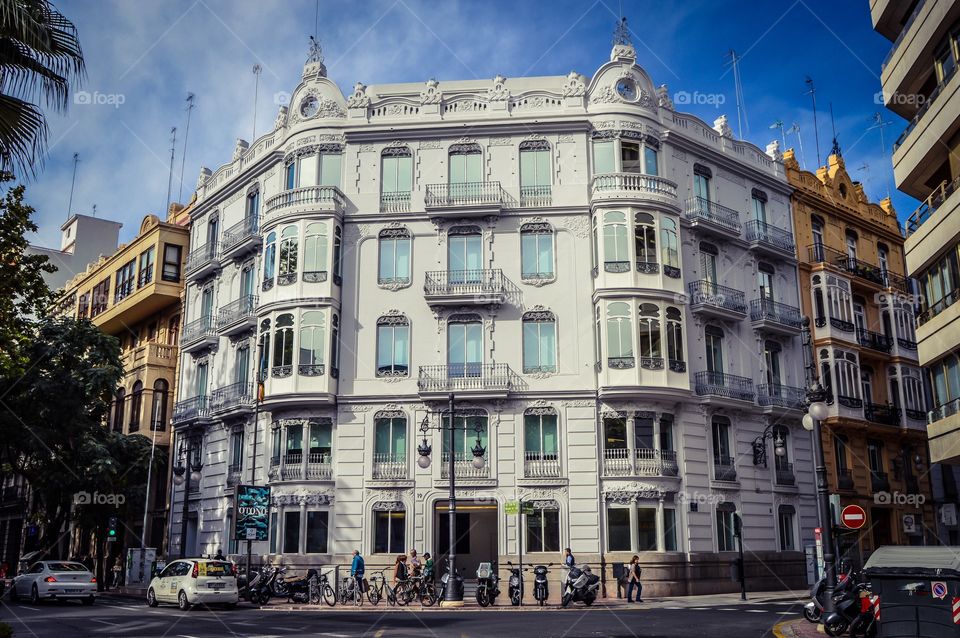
x=191, y=581
x=55, y=580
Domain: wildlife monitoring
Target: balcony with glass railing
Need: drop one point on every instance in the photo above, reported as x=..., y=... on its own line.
x=541, y=465
x=712, y=217
x=389, y=467
x=775, y=317
x=770, y=239
x=238, y=316
x=464, y=199
x=482, y=287
x=620, y=187
x=327, y=199
x=713, y=299
x=721, y=385
x=241, y=238
x=463, y=466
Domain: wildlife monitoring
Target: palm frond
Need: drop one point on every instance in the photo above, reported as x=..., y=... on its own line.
x=23, y=136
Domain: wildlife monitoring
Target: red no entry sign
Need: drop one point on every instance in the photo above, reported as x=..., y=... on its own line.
x=853, y=517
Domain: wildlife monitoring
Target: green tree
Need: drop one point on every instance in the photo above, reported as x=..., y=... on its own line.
x=40, y=56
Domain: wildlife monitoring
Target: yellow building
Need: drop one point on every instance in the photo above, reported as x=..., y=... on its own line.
x=135, y=295
x=852, y=285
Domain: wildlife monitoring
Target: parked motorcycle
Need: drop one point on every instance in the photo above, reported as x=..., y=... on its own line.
x=579, y=585
x=515, y=585
x=541, y=590
x=487, y=584
x=813, y=610
x=852, y=606
x=265, y=588
x=304, y=590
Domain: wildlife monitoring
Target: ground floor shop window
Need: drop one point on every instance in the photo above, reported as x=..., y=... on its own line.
x=643, y=526
x=647, y=529
x=273, y=532
x=543, y=530
x=389, y=532
x=669, y=530
x=618, y=529
x=317, y=524
x=291, y=532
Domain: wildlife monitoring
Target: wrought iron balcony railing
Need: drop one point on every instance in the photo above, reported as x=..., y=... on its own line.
x=906, y=344
x=879, y=481
x=721, y=384
x=702, y=209
x=240, y=232
x=884, y=413
x=388, y=467
x=203, y=256
x=783, y=474
x=853, y=403
x=235, y=395
x=707, y=293
x=463, y=466
x=465, y=376
x=190, y=409
x=915, y=415
x=198, y=329
x=724, y=468
x=609, y=184
x=464, y=282
x=764, y=309
x=844, y=479
x=762, y=232
x=243, y=308
x=463, y=194
x=784, y=396
x=541, y=465
x=874, y=340
x=819, y=253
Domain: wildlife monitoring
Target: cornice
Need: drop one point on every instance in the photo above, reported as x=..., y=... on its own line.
x=436, y=131
x=681, y=141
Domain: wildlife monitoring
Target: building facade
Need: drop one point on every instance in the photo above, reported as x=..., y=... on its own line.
x=920, y=84
x=83, y=240
x=607, y=288
x=134, y=295
x=853, y=286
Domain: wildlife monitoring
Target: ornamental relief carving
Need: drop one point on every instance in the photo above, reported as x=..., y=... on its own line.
x=606, y=95
x=431, y=93
x=574, y=86
x=359, y=98
x=500, y=141
x=498, y=93
x=579, y=226
x=543, y=493
x=579, y=403
x=430, y=145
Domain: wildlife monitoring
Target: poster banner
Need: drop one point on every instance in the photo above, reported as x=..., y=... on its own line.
x=252, y=512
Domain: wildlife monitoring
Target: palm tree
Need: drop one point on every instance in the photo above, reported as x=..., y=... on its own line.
x=39, y=57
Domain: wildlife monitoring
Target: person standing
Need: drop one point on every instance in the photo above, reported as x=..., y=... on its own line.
x=414, y=562
x=117, y=571
x=219, y=555
x=568, y=559
x=400, y=570
x=428, y=567
x=357, y=568
x=633, y=579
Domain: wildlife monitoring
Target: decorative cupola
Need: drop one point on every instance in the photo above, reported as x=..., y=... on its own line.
x=314, y=66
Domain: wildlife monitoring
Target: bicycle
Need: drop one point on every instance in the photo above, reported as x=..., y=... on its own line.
x=379, y=586
x=327, y=594
x=416, y=588
x=350, y=591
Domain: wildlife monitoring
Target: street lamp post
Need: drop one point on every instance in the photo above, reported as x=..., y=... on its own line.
x=816, y=412
x=453, y=593
x=181, y=476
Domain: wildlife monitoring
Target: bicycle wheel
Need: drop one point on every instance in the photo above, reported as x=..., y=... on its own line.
x=315, y=595
x=391, y=595
x=357, y=595
x=428, y=595
x=373, y=593
x=328, y=595
x=401, y=595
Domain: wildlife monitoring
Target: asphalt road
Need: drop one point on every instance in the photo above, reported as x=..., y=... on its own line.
x=119, y=617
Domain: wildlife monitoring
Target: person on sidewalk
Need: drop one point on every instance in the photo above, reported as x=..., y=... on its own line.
x=428, y=567
x=400, y=570
x=568, y=559
x=219, y=555
x=633, y=579
x=357, y=568
x=117, y=571
x=414, y=562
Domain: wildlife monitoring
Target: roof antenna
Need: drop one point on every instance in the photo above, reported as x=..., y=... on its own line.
x=835, y=150
x=183, y=158
x=76, y=160
x=316, y=19
x=256, y=92
x=173, y=148
x=621, y=34
x=738, y=92
x=879, y=123
x=812, y=92
x=796, y=129
x=94, y=212
x=779, y=124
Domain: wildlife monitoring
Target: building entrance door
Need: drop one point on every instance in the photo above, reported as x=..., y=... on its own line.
x=476, y=536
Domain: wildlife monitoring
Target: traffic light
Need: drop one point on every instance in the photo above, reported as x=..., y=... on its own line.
x=112, y=524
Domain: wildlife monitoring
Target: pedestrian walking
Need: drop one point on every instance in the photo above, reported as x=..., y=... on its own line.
x=400, y=570
x=415, y=564
x=357, y=568
x=633, y=579
x=117, y=570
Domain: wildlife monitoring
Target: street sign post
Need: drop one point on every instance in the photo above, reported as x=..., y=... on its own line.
x=853, y=517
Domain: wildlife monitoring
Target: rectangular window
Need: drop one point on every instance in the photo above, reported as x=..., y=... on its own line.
x=394, y=260
x=840, y=452
x=321, y=441
x=643, y=433
x=393, y=350
x=536, y=255
x=786, y=529
x=171, y=262
x=726, y=539
x=83, y=309
x=534, y=168
x=307, y=169
x=397, y=174
x=390, y=439
x=101, y=297
x=759, y=210
x=666, y=433
x=273, y=532
x=291, y=176
x=875, y=456
x=330, y=169
x=669, y=530
x=236, y=450
x=647, y=529
x=145, y=275
x=291, y=532
x=543, y=531
x=603, y=157
x=540, y=435
x=618, y=529
x=721, y=442
x=701, y=187
x=650, y=161
x=539, y=346
x=231, y=539
x=317, y=532
x=465, y=168
x=389, y=532
x=630, y=157
x=124, y=280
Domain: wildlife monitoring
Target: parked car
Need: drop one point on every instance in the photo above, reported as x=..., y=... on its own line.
x=192, y=581
x=55, y=580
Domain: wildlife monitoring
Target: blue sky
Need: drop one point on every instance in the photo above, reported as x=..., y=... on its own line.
x=144, y=56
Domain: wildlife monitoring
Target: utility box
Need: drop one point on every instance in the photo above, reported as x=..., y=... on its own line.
x=919, y=590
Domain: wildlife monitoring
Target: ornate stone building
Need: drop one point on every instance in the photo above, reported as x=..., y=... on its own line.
x=606, y=286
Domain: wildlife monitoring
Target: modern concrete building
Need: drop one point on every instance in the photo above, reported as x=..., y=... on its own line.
x=920, y=84
x=83, y=240
x=607, y=287
x=854, y=288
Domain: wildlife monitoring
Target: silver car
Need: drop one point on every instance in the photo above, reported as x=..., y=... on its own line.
x=55, y=580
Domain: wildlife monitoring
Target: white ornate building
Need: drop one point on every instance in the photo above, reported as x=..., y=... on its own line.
x=607, y=286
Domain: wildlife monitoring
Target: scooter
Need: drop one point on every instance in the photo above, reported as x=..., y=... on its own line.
x=304, y=590
x=541, y=590
x=852, y=606
x=813, y=610
x=580, y=585
x=487, y=584
x=263, y=590
x=515, y=585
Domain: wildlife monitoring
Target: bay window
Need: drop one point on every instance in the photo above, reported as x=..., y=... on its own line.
x=288, y=256
x=651, y=357
x=283, y=347
x=619, y=335
x=315, y=252
x=645, y=239
x=616, y=255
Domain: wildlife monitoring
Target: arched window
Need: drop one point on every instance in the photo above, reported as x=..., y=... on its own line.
x=619, y=336
x=851, y=238
x=670, y=247
x=213, y=227
x=310, y=363
x=883, y=259
x=118, y=405
x=616, y=253
x=539, y=342
x=536, y=251
x=819, y=307
x=645, y=237
x=535, y=176
x=839, y=302
x=288, y=256
x=394, y=265
x=675, y=340
x=136, y=402
x=393, y=346
x=913, y=394
x=651, y=356
x=269, y=260
x=390, y=444
x=337, y=255
x=847, y=379
x=252, y=210
x=263, y=346
x=465, y=168
x=158, y=409
x=283, y=346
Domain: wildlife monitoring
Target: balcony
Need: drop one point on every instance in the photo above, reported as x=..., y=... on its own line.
x=203, y=261
x=770, y=395
x=465, y=287
x=719, y=301
x=838, y=324
x=639, y=462
x=723, y=386
x=535, y=196
x=297, y=466
x=775, y=317
x=858, y=268
x=199, y=334
x=931, y=204
x=915, y=415
x=883, y=413
x=874, y=340
x=234, y=398
x=192, y=409
x=463, y=466
x=241, y=239
x=238, y=316
x=724, y=468
x=389, y=467
x=396, y=202
x=854, y=403
x=634, y=187
x=844, y=479
x=539, y=465
x=465, y=199
x=326, y=199
x=712, y=218
x=935, y=309
x=925, y=107
x=481, y=380
x=879, y=481
x=783, y=475
x=150, y=354
x=233, y=474
x=770, y=240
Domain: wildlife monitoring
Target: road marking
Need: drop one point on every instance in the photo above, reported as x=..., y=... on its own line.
x=335, y=635
x=728, y=609
x=105, y=622
x=755, y=611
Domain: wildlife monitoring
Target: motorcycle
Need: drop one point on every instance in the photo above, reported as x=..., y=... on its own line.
x=515, y=585
x=265, y=588
x=540, y=588
x=852, y=608
x=813, y=610
x=579, y=585
x=304, y=590
x=487, y=584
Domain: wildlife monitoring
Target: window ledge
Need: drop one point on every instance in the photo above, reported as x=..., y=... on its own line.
x=394, y=284
x=538, y=281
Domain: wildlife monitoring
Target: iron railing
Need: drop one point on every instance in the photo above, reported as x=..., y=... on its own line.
x=854, y=403
x=874, y=340
x=388, y=466
x=915, y=415
x=541, y=465
x=906, y=344
x=201, y=257
x=240, y=232
x=463, y=466
x=707, y=293
x=721, y=384
x=931, y=204
x=764, y=309
x=949, y=74
x=465, y=376
x=235, y=395
x=488, y=281
x=819, y=253
x=193, y=408
x=879, y=481
x=306, y=196
x=243, y=308
x=884, y=413
x=784, y=396
x=463, y=194
x=762, y=232
x=638, y=183
x=198, y=329
x=844, y=479
x=783, y=474
x=702, y=209
x=724, y=468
